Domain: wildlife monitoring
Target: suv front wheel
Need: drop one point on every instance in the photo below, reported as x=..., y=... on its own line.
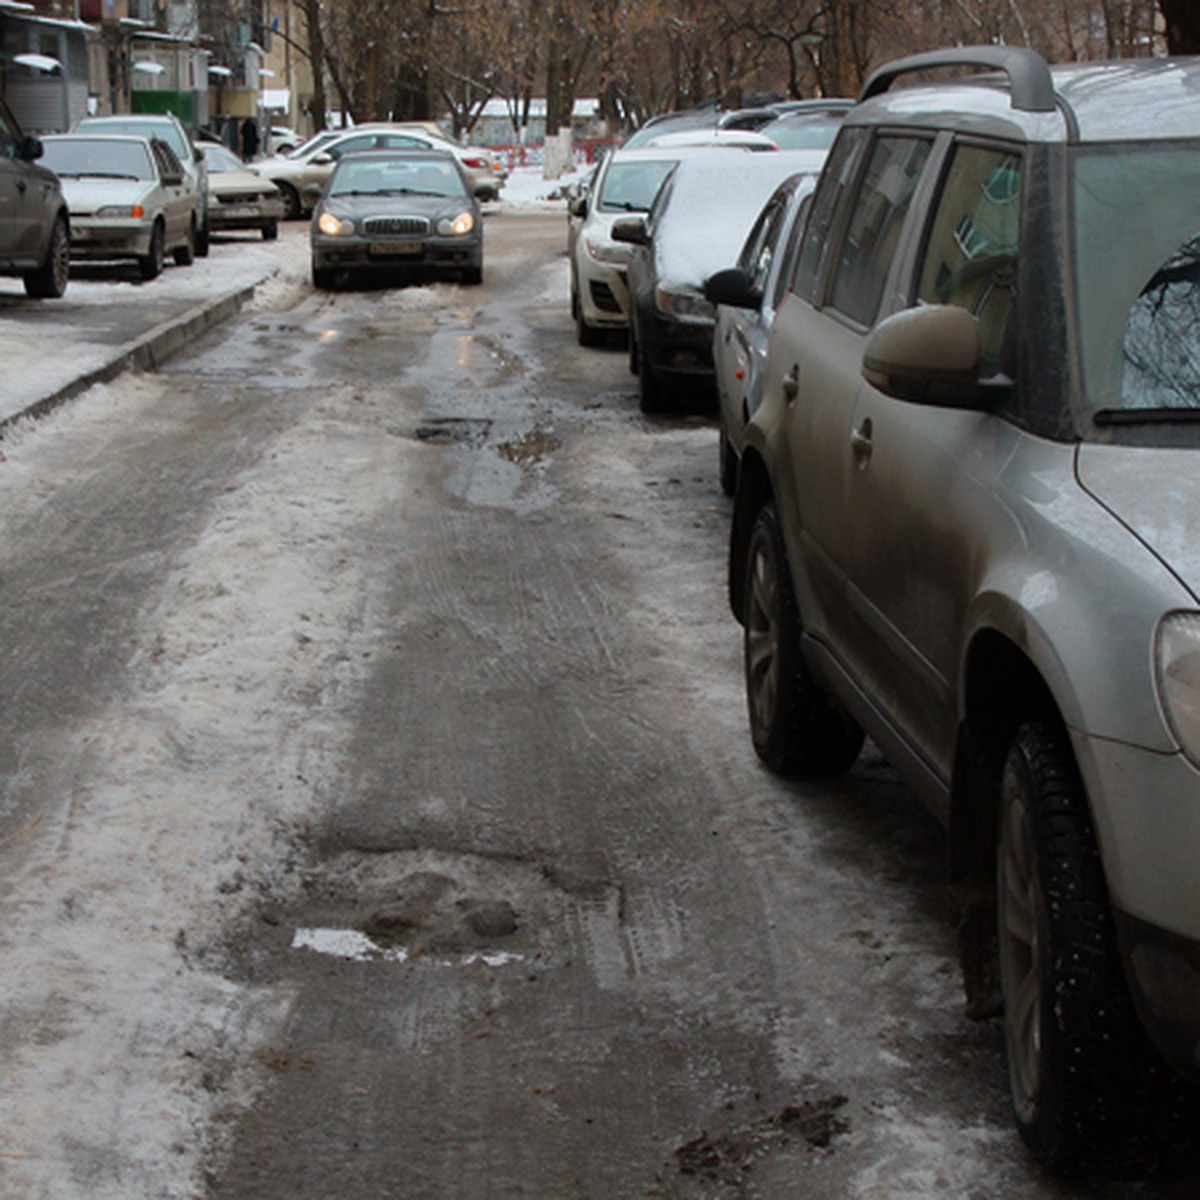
x=1090, y=1094
x=797, y=731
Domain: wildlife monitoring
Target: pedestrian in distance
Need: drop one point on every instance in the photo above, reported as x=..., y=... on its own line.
x=249, y=139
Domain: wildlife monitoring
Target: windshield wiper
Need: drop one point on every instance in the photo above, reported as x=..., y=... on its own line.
x=104, y=175
x=1146, y=416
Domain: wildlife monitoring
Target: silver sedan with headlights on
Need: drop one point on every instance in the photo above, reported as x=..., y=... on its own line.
x=128, y=197
x=397, y=210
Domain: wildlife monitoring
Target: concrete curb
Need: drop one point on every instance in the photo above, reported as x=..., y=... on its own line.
x=145, y=353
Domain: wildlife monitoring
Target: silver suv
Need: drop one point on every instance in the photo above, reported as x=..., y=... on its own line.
x=968, y=524
x=34, y=223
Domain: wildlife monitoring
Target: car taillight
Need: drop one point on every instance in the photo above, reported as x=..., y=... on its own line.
x=476, y=164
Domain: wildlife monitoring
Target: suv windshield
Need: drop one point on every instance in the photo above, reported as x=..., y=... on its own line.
x=1137, y=250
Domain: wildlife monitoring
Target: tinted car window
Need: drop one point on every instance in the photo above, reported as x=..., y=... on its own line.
x=834, y=181
x=873, y=231
x=1139, y=300
x=762, y=244
x=970, y=257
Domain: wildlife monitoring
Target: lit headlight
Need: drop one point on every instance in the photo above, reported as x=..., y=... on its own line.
x=332, y=226
x=684, y=304
x=1178, y=663
x=602, y=250
x=136, y=211
x=456, y=226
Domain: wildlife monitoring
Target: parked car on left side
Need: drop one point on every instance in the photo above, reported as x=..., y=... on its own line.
x=237, y=198
x=34, y=220
x=167, y=128
x=128, y=198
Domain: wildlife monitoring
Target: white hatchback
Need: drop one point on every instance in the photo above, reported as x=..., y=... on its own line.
x=626, y=182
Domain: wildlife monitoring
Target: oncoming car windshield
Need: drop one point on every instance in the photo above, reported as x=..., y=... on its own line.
x=1137, y=250
x=370, y=177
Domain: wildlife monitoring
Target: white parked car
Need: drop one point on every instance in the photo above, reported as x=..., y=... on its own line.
x=626, y=182
x=128, y=197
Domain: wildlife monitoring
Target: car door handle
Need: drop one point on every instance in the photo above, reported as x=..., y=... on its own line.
x=862, y=440
x=791, y=384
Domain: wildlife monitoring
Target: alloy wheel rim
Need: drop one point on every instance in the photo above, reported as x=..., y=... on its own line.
x=60, y=263
x=1021, y=949
x=762, y=637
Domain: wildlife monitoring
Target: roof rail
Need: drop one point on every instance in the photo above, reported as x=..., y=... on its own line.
x=1028, y=76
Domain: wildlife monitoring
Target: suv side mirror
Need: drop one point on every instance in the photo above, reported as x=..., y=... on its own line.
x=30, y=148
x=931, y=355
x=734, y=288
x=322, y=159
x=631, y=230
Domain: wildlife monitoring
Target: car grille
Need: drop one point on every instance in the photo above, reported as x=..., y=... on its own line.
x=385, y=226
x=240, y=197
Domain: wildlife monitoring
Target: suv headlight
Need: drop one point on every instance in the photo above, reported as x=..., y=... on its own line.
x=456, y=226
x=332, y=226
x=1177, y=661
x=685, y=304
x=602, y=250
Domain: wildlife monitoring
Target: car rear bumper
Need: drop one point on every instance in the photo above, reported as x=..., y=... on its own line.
x=233, y=215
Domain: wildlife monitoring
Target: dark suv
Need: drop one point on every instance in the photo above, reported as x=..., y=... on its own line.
x=34, y=232
x=968, y=524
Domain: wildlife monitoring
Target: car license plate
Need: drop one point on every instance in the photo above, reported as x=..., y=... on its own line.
x=239, y=210
x=395, y=249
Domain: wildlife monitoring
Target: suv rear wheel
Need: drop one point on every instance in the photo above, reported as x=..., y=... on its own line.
x=1090, y=1094
x=796, y=729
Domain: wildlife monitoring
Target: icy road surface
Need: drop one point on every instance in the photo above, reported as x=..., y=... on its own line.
x=378, y=814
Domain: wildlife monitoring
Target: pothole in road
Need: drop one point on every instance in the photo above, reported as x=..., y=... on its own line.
x=453, y=431
x=529, y=449
x=451, y=909
x=727, y=1157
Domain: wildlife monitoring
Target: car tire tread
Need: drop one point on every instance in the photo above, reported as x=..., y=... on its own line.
x=1099, y=1102
x=796, y=730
